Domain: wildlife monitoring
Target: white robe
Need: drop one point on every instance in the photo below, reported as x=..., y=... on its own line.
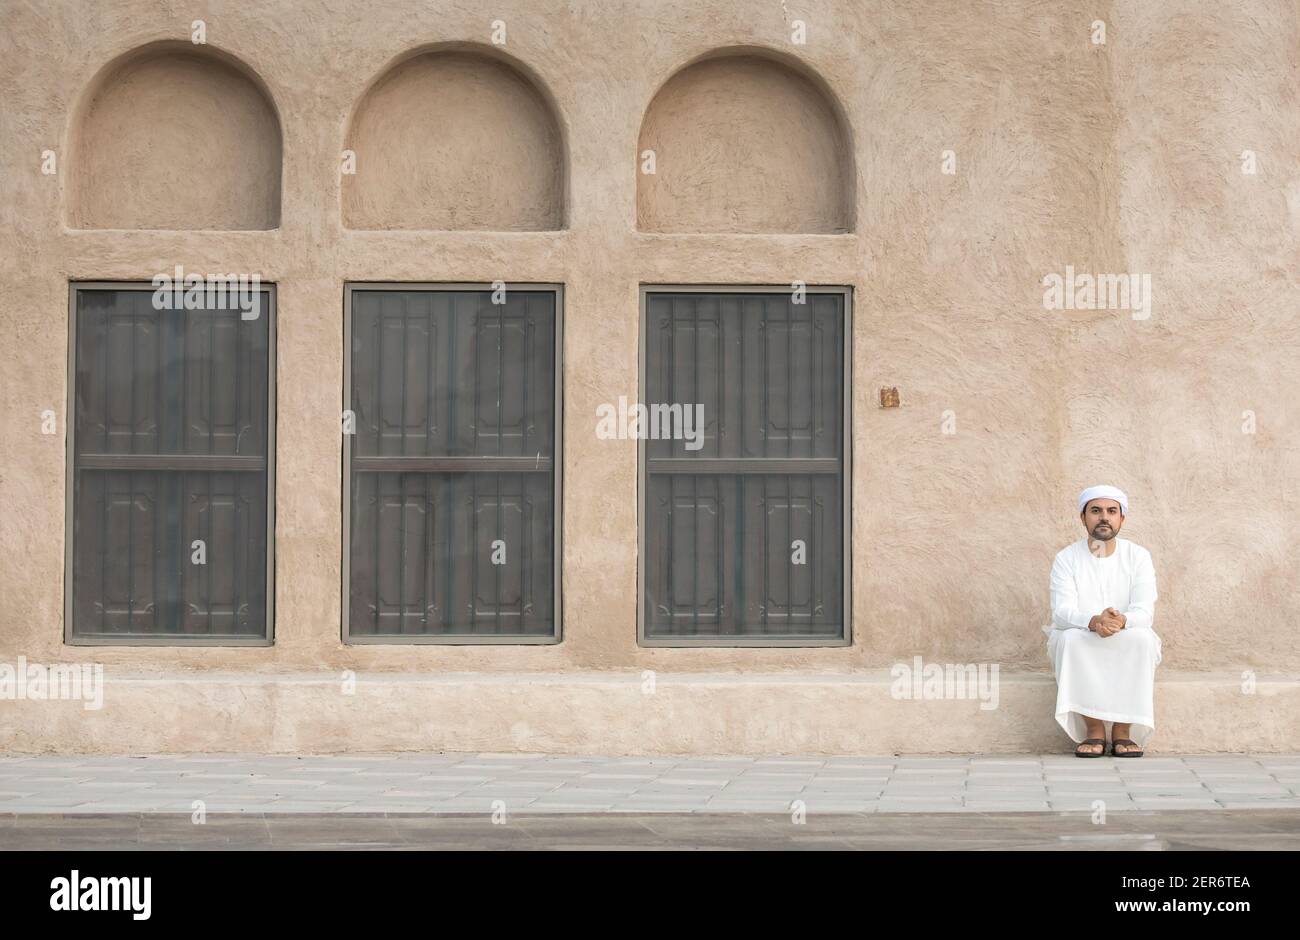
x=1111, y=678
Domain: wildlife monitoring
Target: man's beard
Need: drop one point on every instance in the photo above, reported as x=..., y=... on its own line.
x=1103, y=534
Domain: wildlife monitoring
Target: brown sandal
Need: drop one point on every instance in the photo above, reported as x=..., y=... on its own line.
x=1134, y=750
x=1101, y=753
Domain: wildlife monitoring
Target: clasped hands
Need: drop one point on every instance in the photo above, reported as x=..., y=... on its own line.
x=1107, y=623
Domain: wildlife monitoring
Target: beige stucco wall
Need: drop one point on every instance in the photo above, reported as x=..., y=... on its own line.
x=1124, y=157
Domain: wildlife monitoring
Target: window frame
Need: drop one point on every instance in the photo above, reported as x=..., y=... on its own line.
x=75, y=288
x=557, y=472
x=722, y=641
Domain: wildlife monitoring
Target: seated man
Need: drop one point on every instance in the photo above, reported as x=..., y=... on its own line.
x=1100, y=640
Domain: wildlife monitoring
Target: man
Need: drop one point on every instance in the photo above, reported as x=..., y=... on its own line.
x=1100, y=640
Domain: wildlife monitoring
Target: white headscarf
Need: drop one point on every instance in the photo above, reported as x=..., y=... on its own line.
x=1104, y=492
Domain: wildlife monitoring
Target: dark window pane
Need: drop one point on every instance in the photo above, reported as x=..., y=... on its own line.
x=135, y=570
x=744, y=526
x=722, y=556
x=768, y=372
x=449, y=373
x=169, y=469
x=452, y=518
x=168, y=381
x=423, y=549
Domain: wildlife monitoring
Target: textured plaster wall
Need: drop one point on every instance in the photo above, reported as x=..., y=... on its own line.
x=167, y=139
x=450, y=140
x=1124, y=157
x=735, y=127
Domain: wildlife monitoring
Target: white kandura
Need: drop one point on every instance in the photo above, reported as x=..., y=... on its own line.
x=1109, y=678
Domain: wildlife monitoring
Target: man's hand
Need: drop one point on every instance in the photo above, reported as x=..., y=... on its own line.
x=1107, y=623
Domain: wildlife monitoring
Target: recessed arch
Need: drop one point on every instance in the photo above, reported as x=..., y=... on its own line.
x=175, y=136
x=455, y=137
x=745, y=140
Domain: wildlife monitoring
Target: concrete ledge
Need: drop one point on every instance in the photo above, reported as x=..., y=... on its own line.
x=617, y=713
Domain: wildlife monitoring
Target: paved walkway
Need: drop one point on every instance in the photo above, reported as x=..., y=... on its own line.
x=1172, y=830
x=530, y=784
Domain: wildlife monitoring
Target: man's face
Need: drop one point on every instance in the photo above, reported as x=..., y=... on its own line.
x=1102, y=518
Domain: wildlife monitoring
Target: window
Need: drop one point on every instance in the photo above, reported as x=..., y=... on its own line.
x=170, y=478
x=452, y=491
x=744, y=534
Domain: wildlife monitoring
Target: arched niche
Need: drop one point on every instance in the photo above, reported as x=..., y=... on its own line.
x=175, y=136
x=455, y=139
x=745, y=141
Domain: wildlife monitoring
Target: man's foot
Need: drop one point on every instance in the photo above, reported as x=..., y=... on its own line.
x=1091, y=747
x=1121, y=745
